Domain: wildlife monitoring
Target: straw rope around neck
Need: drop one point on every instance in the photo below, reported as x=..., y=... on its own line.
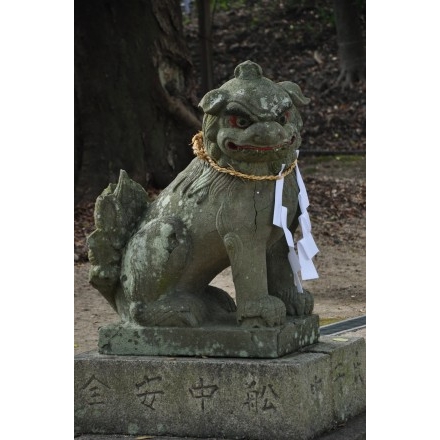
x=199, y=150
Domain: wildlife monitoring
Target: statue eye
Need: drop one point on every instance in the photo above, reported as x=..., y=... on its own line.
x=239, y=122
x=283, y=118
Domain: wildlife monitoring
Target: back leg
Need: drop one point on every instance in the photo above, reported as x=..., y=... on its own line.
x=154, y=259
x=175, y=310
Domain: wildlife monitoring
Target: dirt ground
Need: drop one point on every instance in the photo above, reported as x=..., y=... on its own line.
x=336, y=189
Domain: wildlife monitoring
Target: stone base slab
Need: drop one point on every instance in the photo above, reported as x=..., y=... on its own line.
x=294, y=397
x=228, y=340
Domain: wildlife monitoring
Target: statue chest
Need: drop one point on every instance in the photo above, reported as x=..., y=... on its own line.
x=249, y=210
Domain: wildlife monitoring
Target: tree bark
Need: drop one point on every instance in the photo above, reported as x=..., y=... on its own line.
x=135, y=102
x=351, y=45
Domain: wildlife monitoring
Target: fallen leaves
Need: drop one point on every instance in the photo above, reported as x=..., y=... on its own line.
x=291, y=44
x=334, y=198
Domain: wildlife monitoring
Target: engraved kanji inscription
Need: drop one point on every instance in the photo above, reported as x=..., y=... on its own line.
x=339, y=372
x=95, y=390
x=358, y=373
x=148, y=389
x=260, y=398
x=202, y=392
x=316, y=386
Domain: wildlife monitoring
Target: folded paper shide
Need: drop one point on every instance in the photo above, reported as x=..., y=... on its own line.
x=238, y=203
x=307, y=248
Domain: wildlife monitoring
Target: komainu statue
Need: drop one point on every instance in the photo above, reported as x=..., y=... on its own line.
x=153, y=260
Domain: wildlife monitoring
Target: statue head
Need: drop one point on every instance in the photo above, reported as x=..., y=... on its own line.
x=251, y=119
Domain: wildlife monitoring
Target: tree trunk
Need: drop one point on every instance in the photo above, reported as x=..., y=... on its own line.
x=135, y=103
x=351, y=45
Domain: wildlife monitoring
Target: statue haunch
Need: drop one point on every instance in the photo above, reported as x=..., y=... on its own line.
x=153, y=261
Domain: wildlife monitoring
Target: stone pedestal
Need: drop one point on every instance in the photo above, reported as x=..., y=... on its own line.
x=225, y=340
x=295, y=397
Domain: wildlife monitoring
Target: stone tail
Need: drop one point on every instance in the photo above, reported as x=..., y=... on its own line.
x=118, y=211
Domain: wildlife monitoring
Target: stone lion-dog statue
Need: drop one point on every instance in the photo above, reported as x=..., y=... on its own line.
x=153, y=260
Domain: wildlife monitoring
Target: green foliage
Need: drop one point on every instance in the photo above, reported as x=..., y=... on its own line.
x=326, y=15
x=225, y=5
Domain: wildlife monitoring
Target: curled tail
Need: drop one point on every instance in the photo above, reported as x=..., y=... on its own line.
x=118, y=211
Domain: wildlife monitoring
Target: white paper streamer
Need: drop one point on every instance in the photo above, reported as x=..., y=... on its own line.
x=278, y=199
x=307, y=248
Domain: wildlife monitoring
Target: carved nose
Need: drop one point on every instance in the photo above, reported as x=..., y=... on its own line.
x=267, y=133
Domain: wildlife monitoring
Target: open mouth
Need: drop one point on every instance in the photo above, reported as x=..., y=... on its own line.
x=232, y=146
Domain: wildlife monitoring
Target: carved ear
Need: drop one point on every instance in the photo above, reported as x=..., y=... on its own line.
x=294, y=92
x=214, y=101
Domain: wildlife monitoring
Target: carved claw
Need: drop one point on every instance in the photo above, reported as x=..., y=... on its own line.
x=267, y=311
x=297, y=304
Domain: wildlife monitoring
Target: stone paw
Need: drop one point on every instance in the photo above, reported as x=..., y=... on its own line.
x=267, y=311
x=297, y=304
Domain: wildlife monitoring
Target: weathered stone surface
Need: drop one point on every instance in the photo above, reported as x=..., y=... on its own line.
x=348, y=366
x=294, y=397
x=215, y=340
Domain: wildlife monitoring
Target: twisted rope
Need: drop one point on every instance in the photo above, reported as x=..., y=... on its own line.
x=200, y=152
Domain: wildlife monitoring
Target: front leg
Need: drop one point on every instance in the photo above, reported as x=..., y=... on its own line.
x=281, y=283
x=255, y=307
